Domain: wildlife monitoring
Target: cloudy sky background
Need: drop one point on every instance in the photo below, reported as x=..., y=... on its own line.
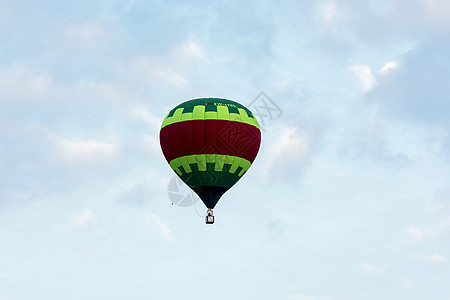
x=349, y=197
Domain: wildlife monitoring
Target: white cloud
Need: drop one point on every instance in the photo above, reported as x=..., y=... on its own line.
x=151, y=143
x=160, y=226
x=142, y=114
x=390, y=66
x=329, y=11
x=152, y=68
x=437, y=232
x=190, y=50
x=365, y=76
x=437, y=206
x=437, y=8
x=172, y=68
x=441, y=201
x=20, y=79
x=418, y=91
x=109, y=92
x=372, y=269
x=86, y=220
x=85, y=36
x=86, y=32
x=441, y=230
x=430, y=259
x=414, y=232
x=408, y=283
x=299, y=297
x=76, y=151
x=291, y=147
x=298, y=285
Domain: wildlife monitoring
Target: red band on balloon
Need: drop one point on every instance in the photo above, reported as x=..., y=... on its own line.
x=210, y=137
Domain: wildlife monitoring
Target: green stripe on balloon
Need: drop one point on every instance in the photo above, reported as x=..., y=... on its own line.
x=199, y=113
x=212, y=104
x=184, y=164
x=210, y=108
x=210, y=177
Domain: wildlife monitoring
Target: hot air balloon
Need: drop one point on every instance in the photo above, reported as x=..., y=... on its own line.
x=210, y=143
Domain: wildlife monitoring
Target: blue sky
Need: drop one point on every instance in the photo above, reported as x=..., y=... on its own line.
x=349, y=197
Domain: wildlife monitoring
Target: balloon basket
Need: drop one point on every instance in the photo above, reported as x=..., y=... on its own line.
x=209, y=218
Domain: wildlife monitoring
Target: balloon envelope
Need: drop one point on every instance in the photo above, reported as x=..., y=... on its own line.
x=210, y=143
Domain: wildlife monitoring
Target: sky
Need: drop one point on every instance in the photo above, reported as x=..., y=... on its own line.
x=348, y=198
